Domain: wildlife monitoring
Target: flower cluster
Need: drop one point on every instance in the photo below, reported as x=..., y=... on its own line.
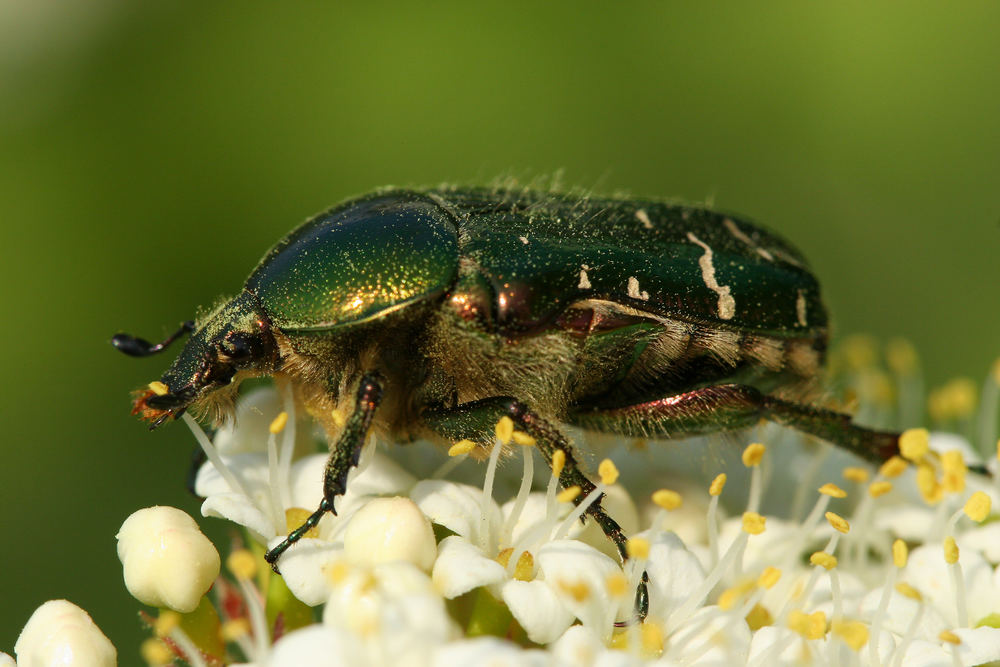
x=816, y=560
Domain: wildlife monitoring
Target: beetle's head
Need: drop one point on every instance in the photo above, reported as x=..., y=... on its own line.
x=235, y=338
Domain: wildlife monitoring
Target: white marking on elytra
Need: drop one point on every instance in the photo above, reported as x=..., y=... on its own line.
x=800, y=308
x=727, y=304
x=633, y=289
x=524, y=239
x=739, y=235
x=584, y=280
x=643, y=217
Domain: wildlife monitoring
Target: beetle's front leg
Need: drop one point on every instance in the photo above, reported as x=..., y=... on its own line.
x=343, y=457
x=477, y=420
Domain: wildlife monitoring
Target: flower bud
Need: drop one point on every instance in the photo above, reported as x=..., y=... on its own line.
x=60, y=633
x=390, y=529
x=167, y=560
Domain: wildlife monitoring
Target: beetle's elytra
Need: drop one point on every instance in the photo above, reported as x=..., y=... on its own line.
x=432, y=313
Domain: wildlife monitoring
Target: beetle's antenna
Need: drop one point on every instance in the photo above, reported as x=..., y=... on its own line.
x=139, y=347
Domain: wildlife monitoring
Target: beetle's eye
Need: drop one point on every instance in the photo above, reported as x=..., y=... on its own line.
x=236, y=346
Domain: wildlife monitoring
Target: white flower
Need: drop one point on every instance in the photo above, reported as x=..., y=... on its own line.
x=387, y=530
x=166, y=559
x=317, y=646
x=487, y=652
x=60, y=633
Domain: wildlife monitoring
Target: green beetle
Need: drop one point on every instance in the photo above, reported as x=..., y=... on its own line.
x=432, y=314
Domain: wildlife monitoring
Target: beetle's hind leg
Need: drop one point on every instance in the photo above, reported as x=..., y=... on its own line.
x=731, y=407
x=343, y=457
x=477, y=420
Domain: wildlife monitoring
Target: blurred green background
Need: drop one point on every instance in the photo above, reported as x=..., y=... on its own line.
x=151, y=152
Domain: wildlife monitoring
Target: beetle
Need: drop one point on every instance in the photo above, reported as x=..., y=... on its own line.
x=434, y=313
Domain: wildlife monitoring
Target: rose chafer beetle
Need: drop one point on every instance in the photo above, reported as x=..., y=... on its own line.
x=434, y=313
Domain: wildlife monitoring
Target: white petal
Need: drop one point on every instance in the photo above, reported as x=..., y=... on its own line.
x=579, y=646
x=461, y=567
x=412, y=627
x=401, y=578
x=305, y=565
x=564, y=564
x=237, y=508
x=941, y=442
x=166, y=559
x=317, y=646
x=979, y=645
x=781, y=646
x=712, y=637
x=487, y=652
x=250, y=430
x=674, y=573
x=922, y=653
x=6, y=660
x=249, y=468
x=457, y=507
x=537, y=608
x=387, y=530
x=927, y=570
x=381, y=477
x=904, y=520
x=60, y=633
x=901, y=611
x=984, y=539
x=305, y=481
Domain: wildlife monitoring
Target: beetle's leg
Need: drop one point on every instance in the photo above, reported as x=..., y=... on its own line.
x=343, y=457
x=477, y=420
x=730, y=407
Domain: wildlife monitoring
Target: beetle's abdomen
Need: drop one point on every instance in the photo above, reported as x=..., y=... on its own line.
x=358, y=262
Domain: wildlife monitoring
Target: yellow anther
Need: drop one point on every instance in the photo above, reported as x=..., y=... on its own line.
x=155, y=652
x=769, y=577
x=337, y=572
x=753, y=523
x=616, y=584
x=158, y=388
x=914, y=443
x=339, y=418
x=608, y=472
x=824, y=560
x=505, y=430
x=461, y=448
x=949, y=637
x=637, y=547
x=855, y=474
x=810, y=626
x=876, y=489
x=860, y=351
x=901, y=356
x=832, y=490
x=953, y=479
x=854, y=633
x=578, y=590
x=753, y=454
x=279, y=423
x=954, y=400
x=909, y=591
x=525, y=568
x=166, y=622
x=838, y=522
x=235, y=628
x=894, y=467
x=715, y=488
x=295, y=517
x=900, y=553
x=758, y=617
x=651, y=636
x=731, y=596
x=977, y=507
x=523, y=439
x=242, y=564
x=558, y=462
x=667, y=499
x=950, y=550
x=568, y=494
x=928, y=485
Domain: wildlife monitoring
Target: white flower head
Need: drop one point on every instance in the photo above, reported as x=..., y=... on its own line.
x=167, y=560
x=60, y=633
